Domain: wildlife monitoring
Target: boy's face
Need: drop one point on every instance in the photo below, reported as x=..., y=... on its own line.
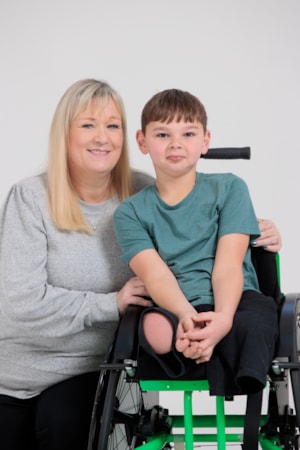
x=174, y=147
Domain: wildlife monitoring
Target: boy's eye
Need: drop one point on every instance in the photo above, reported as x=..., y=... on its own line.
x=162, y=135
x=189, y=134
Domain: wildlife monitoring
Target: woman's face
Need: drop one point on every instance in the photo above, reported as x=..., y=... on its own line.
x=95, y=140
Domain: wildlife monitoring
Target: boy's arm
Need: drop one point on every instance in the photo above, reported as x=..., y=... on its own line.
x=160, y=283
x=227, y=274
x=227, y=283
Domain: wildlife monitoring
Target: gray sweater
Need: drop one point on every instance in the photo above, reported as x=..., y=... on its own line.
x=58, y=290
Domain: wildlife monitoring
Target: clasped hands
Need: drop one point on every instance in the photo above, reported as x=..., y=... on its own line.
x=199, y=333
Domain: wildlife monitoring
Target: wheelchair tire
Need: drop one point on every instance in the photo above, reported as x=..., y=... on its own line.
x=98, y=410
x=295, y=375
x=122, y=408
x=289, y=346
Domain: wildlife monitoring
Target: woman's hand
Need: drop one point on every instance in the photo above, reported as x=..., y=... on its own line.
x=270, y=238
x=132, y=293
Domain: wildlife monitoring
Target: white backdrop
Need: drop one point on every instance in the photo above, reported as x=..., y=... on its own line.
x=240, y=57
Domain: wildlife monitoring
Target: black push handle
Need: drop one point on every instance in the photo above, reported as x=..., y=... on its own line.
x=228, y=153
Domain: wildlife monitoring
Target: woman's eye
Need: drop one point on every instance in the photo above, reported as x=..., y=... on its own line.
x=114, y=126
x=87, y=125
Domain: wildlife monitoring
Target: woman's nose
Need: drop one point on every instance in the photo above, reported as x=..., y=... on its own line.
x=100, y=135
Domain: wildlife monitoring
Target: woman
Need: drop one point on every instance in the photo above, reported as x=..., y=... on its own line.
x=62, y=284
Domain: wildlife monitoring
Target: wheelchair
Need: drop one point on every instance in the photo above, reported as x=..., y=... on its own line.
x=127, y=414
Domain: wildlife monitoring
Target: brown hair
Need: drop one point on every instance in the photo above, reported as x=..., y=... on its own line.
x=170, y=104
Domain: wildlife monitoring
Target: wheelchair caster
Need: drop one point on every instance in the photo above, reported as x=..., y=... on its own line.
x=154, y=421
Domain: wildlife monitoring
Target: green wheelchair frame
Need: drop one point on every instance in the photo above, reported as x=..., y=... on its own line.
x=121, y=421
x=189, y=422
x=122, y=418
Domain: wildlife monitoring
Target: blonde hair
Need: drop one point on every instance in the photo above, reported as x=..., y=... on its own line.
x=63, y=200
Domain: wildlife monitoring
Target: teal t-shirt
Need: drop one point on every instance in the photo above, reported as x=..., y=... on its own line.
x=186, y=234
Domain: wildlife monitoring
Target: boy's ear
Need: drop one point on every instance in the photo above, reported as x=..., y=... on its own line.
x=141, y=141
x=206, y=143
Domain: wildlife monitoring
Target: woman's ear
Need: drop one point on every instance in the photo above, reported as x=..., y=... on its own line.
x=141, y=141
x=206, y=142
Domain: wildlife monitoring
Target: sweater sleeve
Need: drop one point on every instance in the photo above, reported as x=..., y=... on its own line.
x=27, y=300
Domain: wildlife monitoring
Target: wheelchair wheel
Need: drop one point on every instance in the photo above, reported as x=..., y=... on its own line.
x=98, y=410
x=295, y=374
x=290, y=338
x=122, y=408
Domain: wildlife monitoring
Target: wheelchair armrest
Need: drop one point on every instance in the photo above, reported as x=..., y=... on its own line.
x=126, y=343
x=289, y=328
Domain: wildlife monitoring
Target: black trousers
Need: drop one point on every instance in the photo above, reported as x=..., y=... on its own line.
x=57, y=419
x=240, y=362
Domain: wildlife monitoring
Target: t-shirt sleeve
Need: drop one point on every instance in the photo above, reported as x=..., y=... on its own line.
x=237, y=213
x=131, y=233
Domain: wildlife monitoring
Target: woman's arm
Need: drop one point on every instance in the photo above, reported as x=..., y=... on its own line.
x=32, y=302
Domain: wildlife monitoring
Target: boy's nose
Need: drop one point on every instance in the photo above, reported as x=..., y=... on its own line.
x=175, y=143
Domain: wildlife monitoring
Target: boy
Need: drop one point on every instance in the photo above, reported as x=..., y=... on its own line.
x=187, y=238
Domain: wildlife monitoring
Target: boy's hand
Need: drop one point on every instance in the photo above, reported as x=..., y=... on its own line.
x=183, y=343
x=198, y=342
